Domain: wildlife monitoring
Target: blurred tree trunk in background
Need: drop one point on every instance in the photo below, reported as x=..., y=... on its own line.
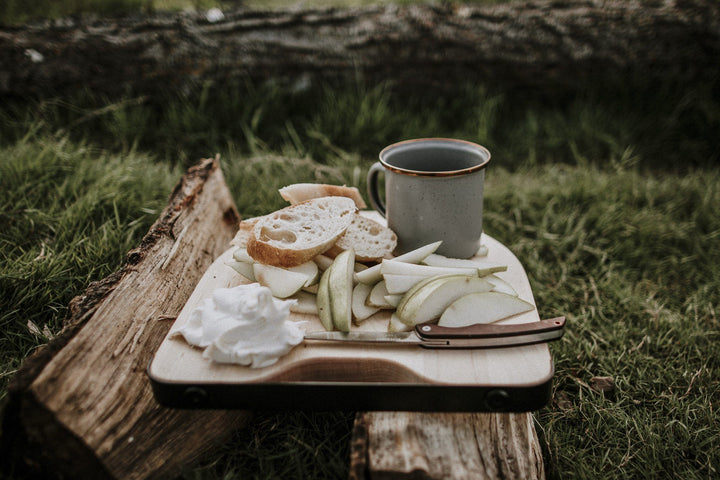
x=537, y=44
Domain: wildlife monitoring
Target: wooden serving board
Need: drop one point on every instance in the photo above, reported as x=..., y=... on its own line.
x=332, y=376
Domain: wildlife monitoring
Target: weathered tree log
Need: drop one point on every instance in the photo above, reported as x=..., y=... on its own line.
x=82, y=406
x=443, y=446
x=541, y=44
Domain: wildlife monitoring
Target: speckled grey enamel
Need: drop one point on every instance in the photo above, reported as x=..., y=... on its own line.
x=433, y=191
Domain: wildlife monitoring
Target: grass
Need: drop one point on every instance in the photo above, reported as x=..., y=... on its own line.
x=609, y=199
x=617, y=237
x=628, y=257
x=66, y=214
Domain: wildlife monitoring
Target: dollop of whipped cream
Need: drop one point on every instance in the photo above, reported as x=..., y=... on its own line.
x=244, y=325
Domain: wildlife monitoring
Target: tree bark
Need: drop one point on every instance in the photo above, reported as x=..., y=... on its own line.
x=536, y=44
x=445, y=446
x=82, y=406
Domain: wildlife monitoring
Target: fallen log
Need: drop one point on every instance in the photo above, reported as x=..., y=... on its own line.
x=536, y=44
x=82, y=406
x=445, y=446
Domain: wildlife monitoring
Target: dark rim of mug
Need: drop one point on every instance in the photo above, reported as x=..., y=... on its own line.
x=446, y=173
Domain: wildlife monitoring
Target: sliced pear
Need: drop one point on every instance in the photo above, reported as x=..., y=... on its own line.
x=398, y=284
x=483, y=267
x=243, y=268
x=437, y=260
x=323, y=300
x=487, y=307
x=430, y=301
x=341, y=288
x=488, y=268
x=241, y=255
x=360, y=309
x=312, y=288
x=373, y=275
x=500, y=285
x=395, y=325
x=306, y=303
x=407, y=295
x=310, y=270
x=393, y=300
x=281, y=282
x=377, y=296
x=389, y=267
x=323, y=261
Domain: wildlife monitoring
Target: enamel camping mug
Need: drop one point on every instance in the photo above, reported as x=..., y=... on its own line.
x=433, y=191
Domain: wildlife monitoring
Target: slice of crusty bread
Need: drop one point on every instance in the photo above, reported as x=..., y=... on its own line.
x=245, y=231
x=300, y=192
x=370, y=240
x=295, y=234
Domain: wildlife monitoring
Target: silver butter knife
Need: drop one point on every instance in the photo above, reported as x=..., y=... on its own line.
x=429, y=335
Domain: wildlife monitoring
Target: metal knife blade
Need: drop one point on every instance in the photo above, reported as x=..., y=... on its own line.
x=408, y=338
x=473, y=336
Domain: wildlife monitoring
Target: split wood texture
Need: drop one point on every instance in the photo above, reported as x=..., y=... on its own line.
x=82, y=406
x=539, y=45
x=444, y=446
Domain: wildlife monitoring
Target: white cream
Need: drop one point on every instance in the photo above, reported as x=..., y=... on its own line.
x=244, y=325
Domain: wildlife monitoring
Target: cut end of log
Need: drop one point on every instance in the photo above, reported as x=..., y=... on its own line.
x=82, y=405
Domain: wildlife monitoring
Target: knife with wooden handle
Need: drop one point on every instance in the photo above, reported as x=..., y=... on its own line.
x=428, y=335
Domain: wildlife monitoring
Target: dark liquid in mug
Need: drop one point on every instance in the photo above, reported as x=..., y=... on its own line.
x=434, y=159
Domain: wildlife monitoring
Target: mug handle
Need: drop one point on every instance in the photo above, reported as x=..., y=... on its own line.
x=372, y=187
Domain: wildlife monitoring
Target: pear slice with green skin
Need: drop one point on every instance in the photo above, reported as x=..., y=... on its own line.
x=390, y=267
x=484, y=267
x=312, y=288
x=409, y=294
x=243, y=268
x=341, y=288
x=486, y=307
x=395, y=325
x=323, y=261
x=393, y=300
x=430, y=301
x=360, y=309
x=373, y=274
x=488, y=268
x=323, y=300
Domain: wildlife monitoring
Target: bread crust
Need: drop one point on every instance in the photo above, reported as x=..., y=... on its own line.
x=284, y=258
x=300, y=192
x=245, y=232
